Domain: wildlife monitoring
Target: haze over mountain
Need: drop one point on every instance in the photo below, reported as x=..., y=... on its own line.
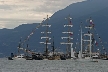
x=80, y=12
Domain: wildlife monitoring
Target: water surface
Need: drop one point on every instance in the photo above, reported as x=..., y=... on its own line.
x=52, y=66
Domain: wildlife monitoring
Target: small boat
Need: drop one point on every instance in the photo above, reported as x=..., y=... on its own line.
x=10, y=58
x=62, y=57
x=104, y=58
x=19, y=57
x=94, y=58
x=37, y=57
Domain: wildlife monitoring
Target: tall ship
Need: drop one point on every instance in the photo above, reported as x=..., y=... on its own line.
x=24, y=52
x=91, y=43
x=46, y=38
x=68, y=39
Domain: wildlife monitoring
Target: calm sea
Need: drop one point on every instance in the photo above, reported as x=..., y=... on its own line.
x=52, y=66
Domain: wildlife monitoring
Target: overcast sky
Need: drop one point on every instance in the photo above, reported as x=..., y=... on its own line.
x=16, y=12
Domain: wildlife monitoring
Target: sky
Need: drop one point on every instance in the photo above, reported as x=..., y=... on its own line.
x=16, y=12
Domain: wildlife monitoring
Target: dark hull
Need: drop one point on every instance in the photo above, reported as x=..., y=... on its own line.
x=105, y=59
x=10, y=58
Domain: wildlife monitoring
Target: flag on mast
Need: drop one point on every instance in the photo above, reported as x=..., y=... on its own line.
x=91, y=21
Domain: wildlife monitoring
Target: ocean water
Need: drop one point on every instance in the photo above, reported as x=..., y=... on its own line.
x=52, y=66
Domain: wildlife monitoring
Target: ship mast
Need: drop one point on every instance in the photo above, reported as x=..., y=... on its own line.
x=53, y=48
x=81, y=39
x=46, y=37
x=19, y=46
x=90, y=40
x=69, y=33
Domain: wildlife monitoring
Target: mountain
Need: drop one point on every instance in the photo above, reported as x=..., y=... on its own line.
x=80, y=12
x=9, y=38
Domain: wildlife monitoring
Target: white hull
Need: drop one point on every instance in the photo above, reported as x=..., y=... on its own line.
x=19, y=57
x=45, y=59
x=88, y=60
